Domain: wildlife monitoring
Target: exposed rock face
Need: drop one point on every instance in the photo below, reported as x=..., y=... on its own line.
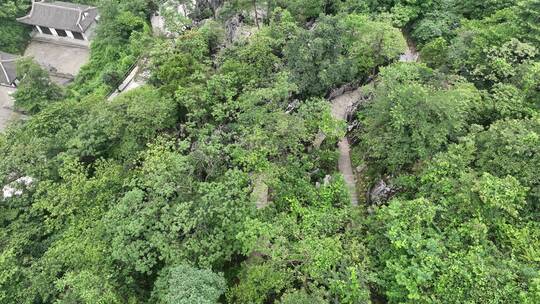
x=327, y=180
x=213, y=5
x=342, y=90
x=360, y=169
x=257, y=16
x=175, y=19
x=158, y=26
x=292, y=106
x=381, y=192
x=411, y=55
x=231, y=28
x=236, y=29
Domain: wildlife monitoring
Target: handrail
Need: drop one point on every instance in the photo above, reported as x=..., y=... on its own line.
x=124, y=76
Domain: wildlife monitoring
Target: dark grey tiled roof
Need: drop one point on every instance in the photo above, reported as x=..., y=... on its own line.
x=61, y=15
x=8, y=68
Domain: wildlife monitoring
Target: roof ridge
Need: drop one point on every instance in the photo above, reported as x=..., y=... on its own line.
x=79, y=20
x=58, y=14
x=29, y=14
x=5, y=72
x=81, y=12
x=58, y=6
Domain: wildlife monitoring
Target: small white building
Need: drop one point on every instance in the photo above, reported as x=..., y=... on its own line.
x=62, y=19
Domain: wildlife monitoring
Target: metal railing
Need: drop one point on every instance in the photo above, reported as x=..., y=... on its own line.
x=116, y=87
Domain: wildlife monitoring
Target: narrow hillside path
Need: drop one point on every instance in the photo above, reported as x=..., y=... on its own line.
x=411, y=53
x=341, y=106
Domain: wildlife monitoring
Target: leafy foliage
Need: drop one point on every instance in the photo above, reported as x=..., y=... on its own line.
x=338, y=50
x=184, y=284
x=13, y=35
x=35, y=90
x=205, y=185
x=411, y=119
x=120, y=40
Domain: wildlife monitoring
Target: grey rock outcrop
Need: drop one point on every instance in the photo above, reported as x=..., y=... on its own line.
x=381, y=192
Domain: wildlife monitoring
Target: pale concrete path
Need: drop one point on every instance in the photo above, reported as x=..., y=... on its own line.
x=6, y=107
x=411, y=54
x=62, y=58
x=132, y=81
x=341, y=106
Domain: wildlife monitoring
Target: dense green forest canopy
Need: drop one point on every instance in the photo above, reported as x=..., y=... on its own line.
x=149, y=198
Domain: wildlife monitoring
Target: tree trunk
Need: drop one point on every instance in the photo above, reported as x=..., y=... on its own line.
x=269, y=6
x=256, y=14
x=212, y=4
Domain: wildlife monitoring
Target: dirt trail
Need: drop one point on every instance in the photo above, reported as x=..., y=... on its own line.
x=341, y=106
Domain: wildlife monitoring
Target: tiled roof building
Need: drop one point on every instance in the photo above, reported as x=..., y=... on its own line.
x=62, y=19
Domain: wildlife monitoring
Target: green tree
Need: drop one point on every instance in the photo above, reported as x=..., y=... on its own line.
x=487, y=51
x=509, y=147
x=185, y=285
x=304, y=10
x=409, y=120
x=339, y=50
x=315, y=58
x=13, y=34
x=122, y=36
x=507, y=101
x=435, y=53
x=35, y=90
x=301, y=297
x=301, y=245
x=372, y=43
x=193, y=221
x=478, y=10
x=123, y=126
x=74, y=265
x=528, y=11
x=461, y=230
